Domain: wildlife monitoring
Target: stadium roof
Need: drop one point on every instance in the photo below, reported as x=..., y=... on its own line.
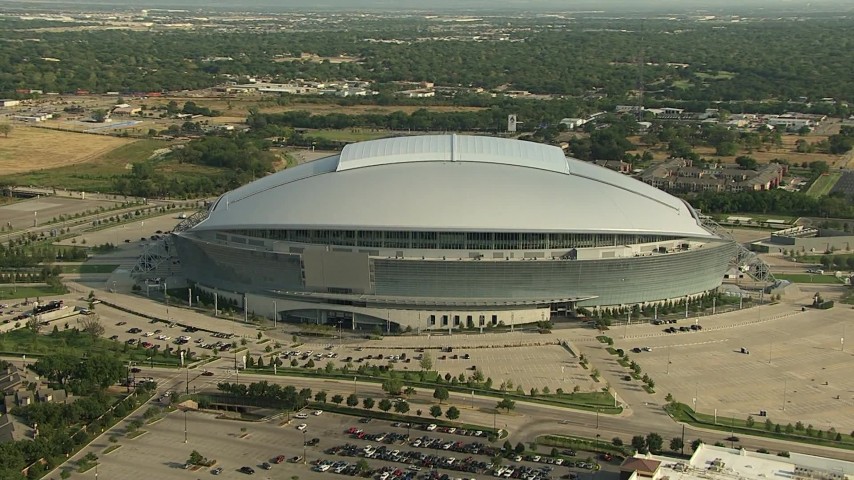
x=453, y=183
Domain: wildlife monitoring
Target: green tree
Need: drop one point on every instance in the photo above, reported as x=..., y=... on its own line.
x=696, y=444
x=639, y=444
x=654, y=443
x=368, y=403
x=385, y=405
x=337, y=399
x=506, y=403
x=426, y=362
x=441, y=394
x=747, y=163
x=352, y=400
x=435, y=411
x=750, y=422
x=393, y=386
x=676, y=444
x=320, y=396
x=453, y=413
x=401, y=407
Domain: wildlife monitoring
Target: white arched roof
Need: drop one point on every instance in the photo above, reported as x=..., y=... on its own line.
x=453, y=183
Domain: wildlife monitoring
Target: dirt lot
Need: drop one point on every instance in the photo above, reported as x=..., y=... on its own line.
x=30, y=148
x=787, y=152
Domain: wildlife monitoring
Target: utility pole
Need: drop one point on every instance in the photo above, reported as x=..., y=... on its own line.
x=185, y=426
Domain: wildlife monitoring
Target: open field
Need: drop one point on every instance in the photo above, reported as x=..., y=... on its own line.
x=786, y=152
x=238, y=108
x=354, y=135
x=34, y=149
x=824, y=184
x=94, y=173
x=7, y=292
x=806, y=278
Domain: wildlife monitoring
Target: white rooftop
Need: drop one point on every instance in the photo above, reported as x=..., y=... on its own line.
x=454, y=183
x=720, y=463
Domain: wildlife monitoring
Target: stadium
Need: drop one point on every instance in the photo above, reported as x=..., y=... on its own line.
x=444, y=232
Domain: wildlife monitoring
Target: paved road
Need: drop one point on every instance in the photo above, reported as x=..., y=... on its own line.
x=524, y=423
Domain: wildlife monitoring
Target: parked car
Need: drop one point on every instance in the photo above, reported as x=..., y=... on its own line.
x=247, y=470
x=216, y=471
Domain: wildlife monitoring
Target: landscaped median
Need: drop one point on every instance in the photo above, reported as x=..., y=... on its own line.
x=602, y=402
x=585, y=444
x=762, y=428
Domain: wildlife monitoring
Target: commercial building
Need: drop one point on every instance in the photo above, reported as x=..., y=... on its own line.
x=720, y=463
x=444, y=232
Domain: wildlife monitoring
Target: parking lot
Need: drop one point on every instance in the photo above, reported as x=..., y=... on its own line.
x=794, y=367
x=331, y=446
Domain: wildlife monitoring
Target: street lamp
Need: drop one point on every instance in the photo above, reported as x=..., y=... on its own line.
x=303, y=448
x=185, y=425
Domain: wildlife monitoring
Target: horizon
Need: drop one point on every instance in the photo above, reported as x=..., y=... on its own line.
x=438, y=6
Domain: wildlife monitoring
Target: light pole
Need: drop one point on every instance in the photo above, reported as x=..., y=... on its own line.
x=303, y=448
x=185, y=426
x=785, y=387
x=275, y=315
x=668, y=361
x=236, y=368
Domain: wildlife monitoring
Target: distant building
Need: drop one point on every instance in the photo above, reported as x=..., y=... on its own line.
x=126, y=110
x=680, y=175
x=572, y=123
x=418, y=93
x=9, y=103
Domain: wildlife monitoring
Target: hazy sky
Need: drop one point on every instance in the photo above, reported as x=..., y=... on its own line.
x=450, y=5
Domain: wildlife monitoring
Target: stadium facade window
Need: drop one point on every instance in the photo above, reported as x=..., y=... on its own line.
x=449, y=240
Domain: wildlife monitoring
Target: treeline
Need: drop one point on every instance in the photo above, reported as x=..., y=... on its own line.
x=286, y=397
x=693, y=61
x=82, y=377
x=778, y=202
x=242, y=157
x=419, y=120
x=20, y=255
x=62, y=428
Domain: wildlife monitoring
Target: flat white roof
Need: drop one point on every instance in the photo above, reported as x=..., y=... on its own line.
x=720, y=463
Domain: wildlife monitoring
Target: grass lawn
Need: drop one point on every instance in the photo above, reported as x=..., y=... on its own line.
x=30, y=148
x=350, y=135
x=757, y=217
x=761, y=427
x=94, y=174
x=89, y=268
x=806, y=278
x=28, y=292
x=823, y=185
x=74, y=342
x=721, y=75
